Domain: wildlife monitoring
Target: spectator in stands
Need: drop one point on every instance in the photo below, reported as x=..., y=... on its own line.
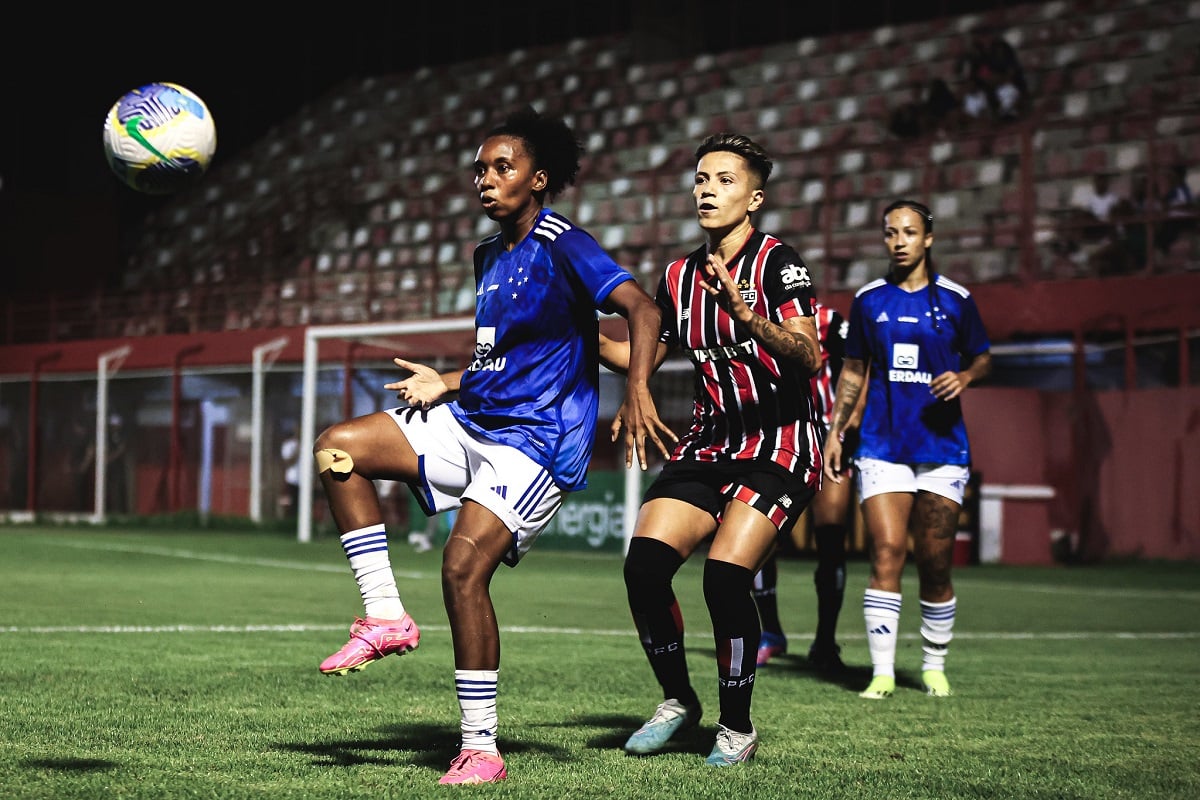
x=517, y=437
x=1006, y=78
x=968, y=71
x=1102, y=201
x=976, y=103
x=992, y=79
x=920, y=338
x=1100, y=226
x=741, y=308
x=1179, y=208
x=830, y=511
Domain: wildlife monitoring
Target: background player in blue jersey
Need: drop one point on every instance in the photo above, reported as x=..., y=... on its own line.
x=518, y=435
x=740, y=307
x=919, y=337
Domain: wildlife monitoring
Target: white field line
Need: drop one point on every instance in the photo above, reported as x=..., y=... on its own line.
x=304, y=628
x=339, y=568
x=959, y=580
x=193, y=555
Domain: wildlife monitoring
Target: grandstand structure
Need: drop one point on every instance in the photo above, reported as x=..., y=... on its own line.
x=357, y=211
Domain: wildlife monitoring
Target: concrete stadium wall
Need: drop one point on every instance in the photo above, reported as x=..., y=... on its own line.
x=1124, y=467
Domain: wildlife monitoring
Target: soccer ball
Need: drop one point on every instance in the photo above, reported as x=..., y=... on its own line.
x=159, y=138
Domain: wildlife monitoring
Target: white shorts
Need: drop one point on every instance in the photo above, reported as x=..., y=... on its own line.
x=457, y=466
x=878, y=477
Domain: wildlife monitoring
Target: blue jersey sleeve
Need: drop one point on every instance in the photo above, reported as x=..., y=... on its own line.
x=579, y=253
x=972, y=336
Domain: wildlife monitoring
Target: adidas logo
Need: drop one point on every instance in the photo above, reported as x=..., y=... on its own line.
x=880, y=631
x=501, y=490
x=883, y=317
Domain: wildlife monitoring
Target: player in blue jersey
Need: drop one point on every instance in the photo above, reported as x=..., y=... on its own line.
x=516, y=437
x=740, y=307
x=919, y=337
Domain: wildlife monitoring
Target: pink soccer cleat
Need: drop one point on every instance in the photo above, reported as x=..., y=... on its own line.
x=769, y=646
x=370, y=640
x=475, y=766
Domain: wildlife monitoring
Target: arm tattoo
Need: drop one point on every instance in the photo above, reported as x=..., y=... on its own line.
x=848, y=389
x=784, y=343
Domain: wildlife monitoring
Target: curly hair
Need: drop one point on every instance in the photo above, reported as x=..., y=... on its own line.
x=551, y=143
x=756, y=157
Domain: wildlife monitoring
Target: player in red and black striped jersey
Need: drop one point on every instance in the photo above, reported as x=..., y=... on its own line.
x=830, y=511
x=740, y=307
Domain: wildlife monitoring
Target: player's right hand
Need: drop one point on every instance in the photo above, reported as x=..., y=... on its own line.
x=422, y=388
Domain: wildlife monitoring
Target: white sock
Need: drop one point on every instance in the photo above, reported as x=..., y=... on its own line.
x=367, y=550
x=476, y=689
x=881, y=612
x=937, y=629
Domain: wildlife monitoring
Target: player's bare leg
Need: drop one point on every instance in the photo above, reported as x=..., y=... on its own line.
x=349, y=457
x=475, y=549
x=935, y=524
x=886, y=516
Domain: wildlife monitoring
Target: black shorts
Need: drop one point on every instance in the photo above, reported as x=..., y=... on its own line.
x=780, y=495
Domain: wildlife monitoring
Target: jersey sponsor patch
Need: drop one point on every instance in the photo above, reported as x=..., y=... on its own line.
x=794, y=275
x=706, y=354
x=905, y=355
x=485, y=340
x=909, y=376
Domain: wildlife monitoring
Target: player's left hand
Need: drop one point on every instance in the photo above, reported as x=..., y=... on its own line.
x=948, y=385
x=832, y=458
x=638, y=415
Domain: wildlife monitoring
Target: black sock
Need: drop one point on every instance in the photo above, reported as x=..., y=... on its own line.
x=649, y=567
x=830, y=580
x=764, y=596
x=736, y=633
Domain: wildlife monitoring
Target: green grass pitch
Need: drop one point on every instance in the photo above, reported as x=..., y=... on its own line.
x=144, y=663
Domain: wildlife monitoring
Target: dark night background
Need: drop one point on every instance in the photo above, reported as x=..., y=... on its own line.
x=61, y=210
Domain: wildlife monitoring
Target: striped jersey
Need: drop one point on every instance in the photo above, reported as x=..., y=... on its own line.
x=831, y=333
x=907, y=338
x=533, y=380
x=748, y=405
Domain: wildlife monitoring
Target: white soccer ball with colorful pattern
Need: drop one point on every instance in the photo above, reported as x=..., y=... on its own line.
x=159, y=138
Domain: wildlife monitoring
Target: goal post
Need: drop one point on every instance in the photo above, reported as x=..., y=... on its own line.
x=429, y=338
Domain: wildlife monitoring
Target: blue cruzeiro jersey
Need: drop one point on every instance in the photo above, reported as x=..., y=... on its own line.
x=533, y=380
x=908, y=338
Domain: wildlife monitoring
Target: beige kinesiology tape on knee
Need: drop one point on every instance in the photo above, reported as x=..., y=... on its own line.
x=334, y=460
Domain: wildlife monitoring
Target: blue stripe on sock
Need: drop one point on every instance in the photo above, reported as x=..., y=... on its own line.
x=365, y=543
x=475, y=690
x=882, y=605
